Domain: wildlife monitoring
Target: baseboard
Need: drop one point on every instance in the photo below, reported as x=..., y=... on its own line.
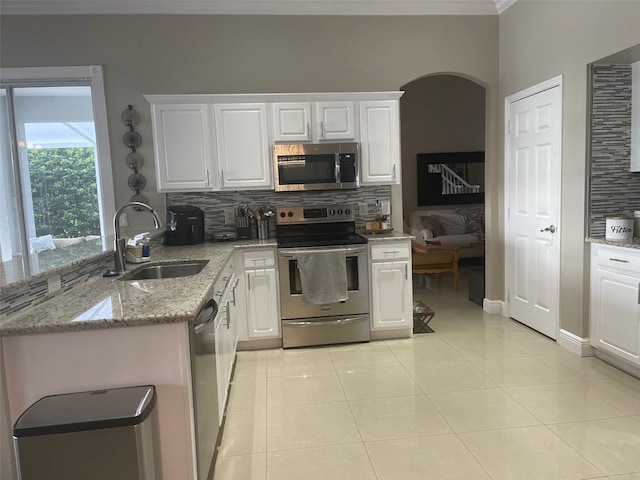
x=262, y=344
x=575, y=344
x=617, y=362
x=494, y=307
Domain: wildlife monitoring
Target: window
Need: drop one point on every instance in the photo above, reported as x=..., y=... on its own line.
x=56, y=200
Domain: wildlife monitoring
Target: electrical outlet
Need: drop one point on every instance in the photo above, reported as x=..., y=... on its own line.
x=229, y=215
x=54, y=284
x=385, y=207
x=362, y=209
x=124, y=220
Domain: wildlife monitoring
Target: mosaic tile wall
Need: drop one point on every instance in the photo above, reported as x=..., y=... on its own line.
x=614, y=189
x=19, y=295
x=214, y=203
x=15, y=297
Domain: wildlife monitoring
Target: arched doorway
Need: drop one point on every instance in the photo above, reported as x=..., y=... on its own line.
x=438, y=113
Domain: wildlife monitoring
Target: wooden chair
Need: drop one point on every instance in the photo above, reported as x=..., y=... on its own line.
x=435, y=258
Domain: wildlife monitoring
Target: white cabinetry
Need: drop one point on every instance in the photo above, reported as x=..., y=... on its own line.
x=242, y=146
x=292, y=122
x=226, y=337
x=615, y=298
x=391, y=285
x=314, y=121
x=182, y=142
x=379, y=142
x=261, y=287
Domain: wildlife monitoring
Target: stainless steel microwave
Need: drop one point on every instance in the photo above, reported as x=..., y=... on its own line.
x=316, y=166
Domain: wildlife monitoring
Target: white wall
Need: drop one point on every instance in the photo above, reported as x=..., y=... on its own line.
x=538, y=41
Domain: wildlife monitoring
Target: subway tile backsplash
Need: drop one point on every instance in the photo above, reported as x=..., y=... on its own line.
x=214, y=203
x=614, y=190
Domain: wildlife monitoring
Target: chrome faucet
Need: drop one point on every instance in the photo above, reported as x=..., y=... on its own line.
x=120, y=243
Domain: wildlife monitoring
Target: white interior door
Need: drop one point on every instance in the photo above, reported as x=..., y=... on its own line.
x=533, y=168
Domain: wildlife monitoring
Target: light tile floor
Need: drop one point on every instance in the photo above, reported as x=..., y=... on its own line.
x=483, y=397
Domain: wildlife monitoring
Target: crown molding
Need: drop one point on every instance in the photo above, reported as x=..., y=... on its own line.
x=251, y=7
x=502, y=5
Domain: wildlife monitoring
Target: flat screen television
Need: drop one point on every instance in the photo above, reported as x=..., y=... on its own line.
x=451, y=178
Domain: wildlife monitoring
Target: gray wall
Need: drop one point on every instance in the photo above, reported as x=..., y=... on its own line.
x=147, y=54
x=538, y=41
x=439, y=113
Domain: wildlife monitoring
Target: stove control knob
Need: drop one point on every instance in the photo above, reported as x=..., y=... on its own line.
x=332, y=212
x=290, y=214
x=282, y=214
x=340, y=212
x=347, y=212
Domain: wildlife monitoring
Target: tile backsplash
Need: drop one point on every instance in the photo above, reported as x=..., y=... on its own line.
x=614, y=190
x=214, y=203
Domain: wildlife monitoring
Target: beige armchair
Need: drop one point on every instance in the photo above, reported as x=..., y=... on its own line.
x=434, y=258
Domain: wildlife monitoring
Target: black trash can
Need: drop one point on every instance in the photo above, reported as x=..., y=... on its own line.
x=101, y=435
x=476, y=285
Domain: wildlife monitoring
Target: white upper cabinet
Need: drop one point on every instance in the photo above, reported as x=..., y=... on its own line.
x=182, y=142
x=292, y=122
x=336, y=121
x=242, y=146
x=223, y=142
x=299, y=122
x=379, y=142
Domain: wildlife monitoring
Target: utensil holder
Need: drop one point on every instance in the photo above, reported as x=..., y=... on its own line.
x=244, y=227
x=263, y=229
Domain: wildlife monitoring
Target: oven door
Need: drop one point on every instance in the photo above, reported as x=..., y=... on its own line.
x=291, y=304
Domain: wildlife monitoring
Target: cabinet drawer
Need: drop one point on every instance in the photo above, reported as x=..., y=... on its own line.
x=390, y=251
x=259, y=259
x=616, y=258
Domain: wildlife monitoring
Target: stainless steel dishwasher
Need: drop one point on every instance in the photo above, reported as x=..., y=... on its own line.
x=205, y=390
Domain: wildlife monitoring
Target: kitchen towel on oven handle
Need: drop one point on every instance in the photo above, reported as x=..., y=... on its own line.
x=323, y=276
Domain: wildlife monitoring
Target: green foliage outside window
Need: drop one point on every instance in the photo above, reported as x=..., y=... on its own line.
x=64, y=191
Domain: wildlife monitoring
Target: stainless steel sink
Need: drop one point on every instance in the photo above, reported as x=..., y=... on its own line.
x=165, y=270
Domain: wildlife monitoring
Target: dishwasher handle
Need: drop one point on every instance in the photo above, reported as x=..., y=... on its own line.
x=206, y=315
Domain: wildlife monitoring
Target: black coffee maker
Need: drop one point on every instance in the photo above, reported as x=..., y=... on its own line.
x=185, y=225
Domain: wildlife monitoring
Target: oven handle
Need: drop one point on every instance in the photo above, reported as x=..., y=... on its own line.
x=294, y=251
x=323, y=323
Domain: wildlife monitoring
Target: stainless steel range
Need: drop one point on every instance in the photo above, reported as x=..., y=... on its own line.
x=324, y=276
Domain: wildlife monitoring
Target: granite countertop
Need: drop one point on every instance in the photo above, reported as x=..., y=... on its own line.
x=110, y=302
x=634, y=243
x=385, y=237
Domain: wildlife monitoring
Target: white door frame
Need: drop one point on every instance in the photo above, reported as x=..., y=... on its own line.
x=539, y=88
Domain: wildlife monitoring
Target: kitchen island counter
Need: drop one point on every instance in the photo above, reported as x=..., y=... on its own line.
x=111, y=302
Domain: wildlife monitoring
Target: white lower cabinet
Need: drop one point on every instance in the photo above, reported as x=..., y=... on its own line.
x=615, y=301
x=391, y=285
x=261, y=295
x=226, y=331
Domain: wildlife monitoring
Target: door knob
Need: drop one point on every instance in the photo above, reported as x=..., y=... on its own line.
x=550, y=228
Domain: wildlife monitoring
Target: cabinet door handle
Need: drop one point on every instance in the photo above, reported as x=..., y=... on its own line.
x=618, y=260
x=406, y=272
x=248, y=282
x=308, y=131
x=208, y=179
x=639, y=294
x=222, y=178
x=393, y=175
x=322, y=130
x=228, y=314
x=233, y=291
